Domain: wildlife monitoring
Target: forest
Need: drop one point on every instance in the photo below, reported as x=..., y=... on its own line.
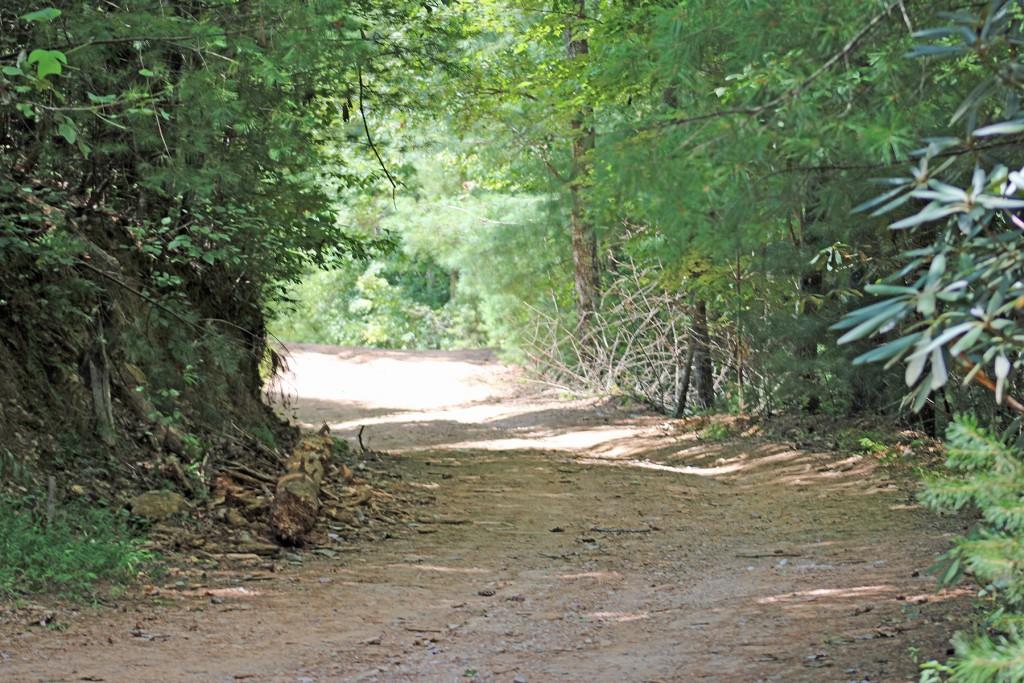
x=723, y=214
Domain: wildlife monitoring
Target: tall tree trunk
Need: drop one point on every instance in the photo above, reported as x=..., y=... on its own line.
x=453, y=283
x=702, y=344
x=807, y=349
x=739, y=333
x=811, y=288
x=684, y=382
x=584, y=239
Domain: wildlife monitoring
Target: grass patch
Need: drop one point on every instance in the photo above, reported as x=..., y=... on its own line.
x=80, y=549
x=716, y=432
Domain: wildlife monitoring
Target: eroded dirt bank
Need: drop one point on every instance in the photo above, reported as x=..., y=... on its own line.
x=564, y=541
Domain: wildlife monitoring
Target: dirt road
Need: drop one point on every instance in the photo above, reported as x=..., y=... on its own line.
x=568, y=542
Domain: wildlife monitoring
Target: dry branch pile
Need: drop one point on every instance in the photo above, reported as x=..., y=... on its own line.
x=640, y=341
x=324, y=496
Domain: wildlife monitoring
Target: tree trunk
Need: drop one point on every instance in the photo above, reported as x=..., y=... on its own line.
x=807, y=349
x=684, y=383
x=99, y=381
x=739, y=334
x=453, y=283
x=928, y=418
x=702, y=344
x=584, y=240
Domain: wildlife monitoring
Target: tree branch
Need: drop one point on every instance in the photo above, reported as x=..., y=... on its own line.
x=984, y=380
x=369, y=138
x=148, y=299
x=1008, y=141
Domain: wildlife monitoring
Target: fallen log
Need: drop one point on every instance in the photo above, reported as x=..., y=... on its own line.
x=296, y=506
x=297, y=496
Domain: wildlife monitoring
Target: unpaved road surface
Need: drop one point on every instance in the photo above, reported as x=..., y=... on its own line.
x=568, y=541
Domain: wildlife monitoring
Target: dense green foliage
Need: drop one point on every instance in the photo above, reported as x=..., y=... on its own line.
x=166, y=170
x=987, y=474
x=953, y=305
x=955, y=297
x=397, y=303
x=717, y=163
x=468, y=260
x=71, y=553
x=212, y=137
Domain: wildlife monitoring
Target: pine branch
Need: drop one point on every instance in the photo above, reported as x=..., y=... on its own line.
x=842, y=54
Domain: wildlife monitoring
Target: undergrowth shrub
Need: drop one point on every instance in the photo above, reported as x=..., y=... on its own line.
x=716, y=432
x=81, y=547
x=985, y=473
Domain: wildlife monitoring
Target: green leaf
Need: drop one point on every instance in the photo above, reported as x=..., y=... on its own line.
x=101, y=99
x=1004, y=128
x=932, y=212
x=951, y=574
x=872, y=203
x=886, y=351
x=856, y=317
x=179, y=241
x=926, y=303
x=921, y=397
x=47, y=14
x=944, y=338
x=1002, y=372
x=48, y=62
x=937, y=268
x=934, y=50
x=939, y=373
x=915, y=366
x=994, y=203
x=940, y=32
x=889, y=290
x=968, y=340
x=894, y=204
x=872, y=324
x=68, y=131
